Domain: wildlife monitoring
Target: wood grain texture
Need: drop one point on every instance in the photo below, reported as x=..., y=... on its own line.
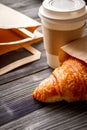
x=18, y=110
x=16, y=98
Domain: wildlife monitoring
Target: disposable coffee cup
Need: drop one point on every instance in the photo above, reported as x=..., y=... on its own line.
x=62, y=22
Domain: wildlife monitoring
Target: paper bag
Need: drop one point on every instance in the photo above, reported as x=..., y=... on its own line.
x=77, y=49
x=17, y=31
x=10, y=18
x=14, y=26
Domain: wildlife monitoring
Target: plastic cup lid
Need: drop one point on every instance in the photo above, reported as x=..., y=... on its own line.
x=63, y=9
x=64, y=5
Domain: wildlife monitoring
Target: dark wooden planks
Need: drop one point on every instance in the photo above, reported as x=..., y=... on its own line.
x=16, y=97
x=58, y=116
x=17, y=102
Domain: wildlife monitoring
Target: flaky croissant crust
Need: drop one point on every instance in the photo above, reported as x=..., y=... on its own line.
x=67, y=82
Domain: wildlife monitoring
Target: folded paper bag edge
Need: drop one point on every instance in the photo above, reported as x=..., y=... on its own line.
x=10, y=18
x=77, y=49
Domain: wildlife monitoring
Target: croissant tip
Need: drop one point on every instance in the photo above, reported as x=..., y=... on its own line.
x=36, y=94
x=33, y=95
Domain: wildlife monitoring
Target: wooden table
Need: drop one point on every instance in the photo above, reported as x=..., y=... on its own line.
x=18, y=110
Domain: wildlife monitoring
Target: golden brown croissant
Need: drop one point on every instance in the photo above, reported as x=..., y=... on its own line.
x=67, y=82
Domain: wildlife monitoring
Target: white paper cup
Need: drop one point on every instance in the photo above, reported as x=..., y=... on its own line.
x=62, y=22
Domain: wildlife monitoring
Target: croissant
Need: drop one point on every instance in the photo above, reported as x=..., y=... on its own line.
x=67, y=82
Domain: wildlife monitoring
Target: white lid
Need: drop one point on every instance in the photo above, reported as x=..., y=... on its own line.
x=63, y=9
x=64, y=5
